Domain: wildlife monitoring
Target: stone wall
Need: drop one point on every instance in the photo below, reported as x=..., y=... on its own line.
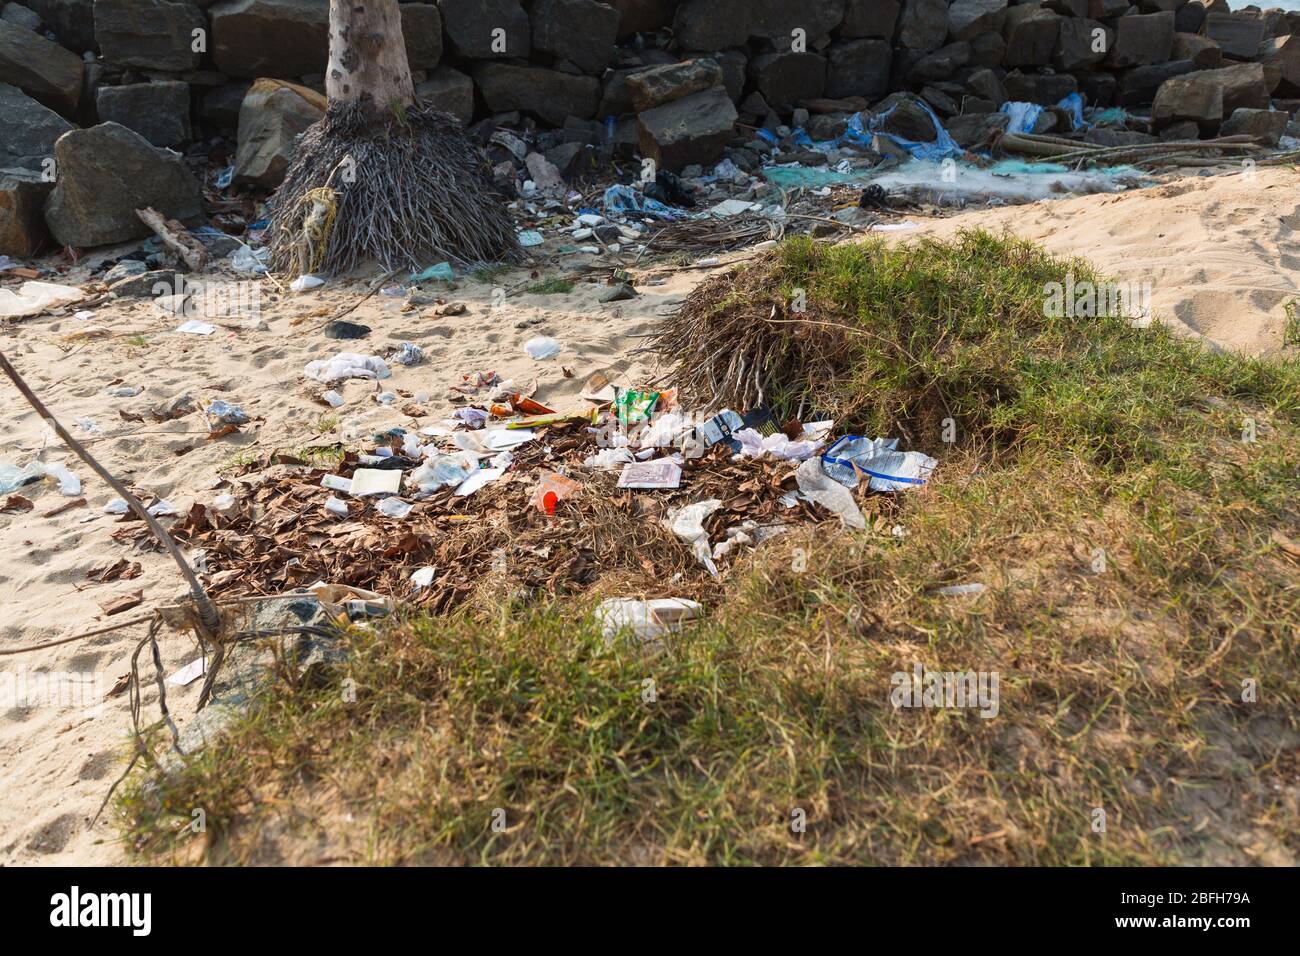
x=666, y=78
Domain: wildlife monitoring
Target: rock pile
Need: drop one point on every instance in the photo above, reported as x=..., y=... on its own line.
x=669, y=80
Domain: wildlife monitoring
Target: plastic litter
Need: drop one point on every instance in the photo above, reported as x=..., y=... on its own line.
x=646, y=620
x=13, y=477
x=1022, y=116
x=443, y=470
x=551, y=489
x=541, y=347
x=227, y=414
x=409, y=354
x=887, y=468
x=375, y=481
x=860, y=131
x=422, y=577
x=442, y=272
x=394, y=508
x=347, y=365
x=688, y=524
x=195, y=327
x=303, y=283
x=819, y=488
x=336, y=506
x=662, y=473
x=622, y=201
x=954, y=590
x=336, y=483
x=754, y=445
x=334, y=398
x=480, y=478
x=530, y=237
x=249, y=261
x=633, y=406
x=1011, y=181
x=33, y=298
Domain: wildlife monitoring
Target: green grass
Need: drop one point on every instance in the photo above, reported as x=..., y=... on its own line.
x=1121, y=690
x=1291, y=333
x=490, y=274
x=550, y=287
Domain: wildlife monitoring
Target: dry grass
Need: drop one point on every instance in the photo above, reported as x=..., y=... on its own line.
x=412, y=191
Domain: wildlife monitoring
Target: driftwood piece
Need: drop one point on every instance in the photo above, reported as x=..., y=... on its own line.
x=176, y=238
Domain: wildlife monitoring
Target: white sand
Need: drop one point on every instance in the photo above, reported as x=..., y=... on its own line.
x=1217, y=251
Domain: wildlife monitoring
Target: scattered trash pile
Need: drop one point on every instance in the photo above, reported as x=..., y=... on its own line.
x=629, y=494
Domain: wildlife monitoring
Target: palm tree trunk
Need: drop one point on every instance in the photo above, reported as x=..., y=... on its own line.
x=367, y=63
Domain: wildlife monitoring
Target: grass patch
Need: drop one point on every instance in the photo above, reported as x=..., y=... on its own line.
x=1140, y=561
x=907, y=339
x=490, y=273
x=551, y=287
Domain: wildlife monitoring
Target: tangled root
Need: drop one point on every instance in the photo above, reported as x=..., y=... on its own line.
x=410, y=189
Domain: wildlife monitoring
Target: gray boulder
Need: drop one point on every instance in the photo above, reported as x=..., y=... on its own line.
x=663, y=84
x=642, y=16
x=422, y=31
x=713, y=24
x=1239, y=35
x=160, y=112
x=923, y=24
x=1142, y=39
x=471, y=27
x=550, y=95
x=694, y=130
x=967, y=19
x=221, y=104
x=778, y=19
x=449, y=90
x=970, y=129
x=1207, y=97
x=271, y=118
x=105, y=174
x=786, y=78
x=1138, y=86
x=858, y=68
x=1268, y=126
x=149, y=34
x=1030, y=32
x=275, y=38
x=870, y=18
x=1202, y=51
x=1077, y=44
x=73, y=21
x=41, y=69
x=30, y=129
x=583, y=32
x=21, y=16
